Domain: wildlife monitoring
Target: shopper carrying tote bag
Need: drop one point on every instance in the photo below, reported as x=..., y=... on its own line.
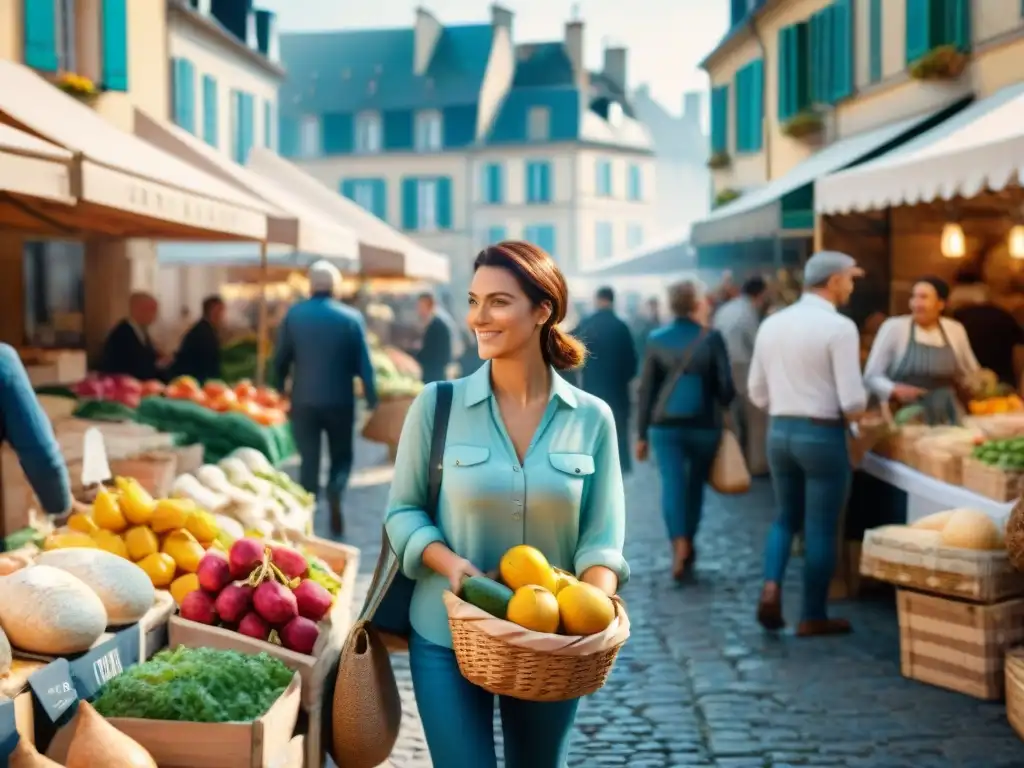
x=367, y=709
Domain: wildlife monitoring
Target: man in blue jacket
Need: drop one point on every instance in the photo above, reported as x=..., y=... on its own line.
x=322, y=345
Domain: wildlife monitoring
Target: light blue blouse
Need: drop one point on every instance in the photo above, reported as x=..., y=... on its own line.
x=566, y=499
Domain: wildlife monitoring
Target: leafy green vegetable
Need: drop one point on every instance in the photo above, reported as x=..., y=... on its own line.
x=199, y=685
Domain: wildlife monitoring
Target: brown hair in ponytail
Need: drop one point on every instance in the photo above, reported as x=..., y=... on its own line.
x=541, y=281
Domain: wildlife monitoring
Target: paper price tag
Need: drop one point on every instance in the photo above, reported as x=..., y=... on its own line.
x=98, y=666
x=53, y=689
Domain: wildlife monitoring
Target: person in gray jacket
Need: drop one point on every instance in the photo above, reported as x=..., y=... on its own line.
x=322, y=346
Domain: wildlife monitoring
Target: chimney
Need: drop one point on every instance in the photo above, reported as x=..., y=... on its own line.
x=266, y=34
x=574, y=49
x=615, y=66
x=428, y=30
x=501, y=17
x=693, y=102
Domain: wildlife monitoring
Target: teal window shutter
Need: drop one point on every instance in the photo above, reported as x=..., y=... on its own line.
x=184, y=94
x=495, y=234
x=545, y=238
x=635, y=183
x=493, y=184
x=545, y=182
x=210, y=116
x=784, y=108
x=757, y=105
x=532, y=182
x=41, y=35
x=822, y=57
x=410, y=201
x=742, y=101
x=875, y=41
x=444, y=202
x=268, y=124
x=841, y=13
x=958, y=24
x=380, y=199
x=720, y=119
x=115, y=45
x=919, y=29
x=348, y=188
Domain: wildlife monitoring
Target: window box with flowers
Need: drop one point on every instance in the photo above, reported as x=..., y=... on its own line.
x=944, y=62
x=726, y=196
x=806, y=124
x=719, y=160
x=79, y=86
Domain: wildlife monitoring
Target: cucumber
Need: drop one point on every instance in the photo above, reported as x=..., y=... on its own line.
x=487, y=595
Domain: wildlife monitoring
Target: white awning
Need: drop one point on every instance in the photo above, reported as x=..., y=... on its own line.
x=758, y=213
x=981, y=147
x=383, y=250
x=144, y=191
x=33, y=167
x=294, y=223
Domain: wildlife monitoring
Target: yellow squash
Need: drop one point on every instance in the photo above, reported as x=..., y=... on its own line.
x=202, y=525
x=141, y=542
x=111, y=542
x=63, y=538
x=136, y=502
x=171, y=514
x=107, y=513
x=186, y=551
x=159, y=567
x=82, y=523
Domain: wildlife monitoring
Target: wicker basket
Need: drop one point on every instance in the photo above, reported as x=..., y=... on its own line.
x=507, y=660
x=908, y=558
x=944, y=467
x=991, y=482
x=1014, y=671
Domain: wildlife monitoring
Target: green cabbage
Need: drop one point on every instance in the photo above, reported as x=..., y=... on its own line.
x=199, y=685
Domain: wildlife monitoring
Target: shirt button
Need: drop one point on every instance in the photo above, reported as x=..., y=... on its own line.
x=515, y=467
x=516, y=516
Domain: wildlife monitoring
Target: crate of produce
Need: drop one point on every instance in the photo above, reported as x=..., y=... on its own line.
x=957, y=645
x=1015, y=689
x=916, y=559
x=245, y=721
x=155, y=471
x=991, y=481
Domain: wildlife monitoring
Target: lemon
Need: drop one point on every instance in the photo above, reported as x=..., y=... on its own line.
x=585, y=609
x=523, y=565
x=535, y=608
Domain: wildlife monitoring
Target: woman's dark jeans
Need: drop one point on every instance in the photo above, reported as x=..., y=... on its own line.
x=684, y=456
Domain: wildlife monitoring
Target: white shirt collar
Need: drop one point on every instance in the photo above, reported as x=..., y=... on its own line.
x=818, y=301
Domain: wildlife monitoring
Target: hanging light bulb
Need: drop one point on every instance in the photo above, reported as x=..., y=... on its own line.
x=1015, y=242
x=954, y=243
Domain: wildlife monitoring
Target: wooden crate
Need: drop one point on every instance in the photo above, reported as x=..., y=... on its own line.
x=942, y=466
x=991, y=482
x=956, y=645
x=155, y=471
x=912, y=559
x=1015, y=689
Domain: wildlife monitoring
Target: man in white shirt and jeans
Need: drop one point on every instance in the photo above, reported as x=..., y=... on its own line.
x=805, y=372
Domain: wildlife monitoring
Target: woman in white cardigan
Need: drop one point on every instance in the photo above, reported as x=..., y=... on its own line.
x=920, y=353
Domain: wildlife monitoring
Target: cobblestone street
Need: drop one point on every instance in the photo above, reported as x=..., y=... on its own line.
x=699, y=684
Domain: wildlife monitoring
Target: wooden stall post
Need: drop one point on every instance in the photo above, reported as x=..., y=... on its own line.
x=262, y=321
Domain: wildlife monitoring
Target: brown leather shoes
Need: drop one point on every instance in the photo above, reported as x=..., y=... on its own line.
x=769, y=608
x=823, y=627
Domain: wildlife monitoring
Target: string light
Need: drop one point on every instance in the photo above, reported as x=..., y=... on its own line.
x=954, y=242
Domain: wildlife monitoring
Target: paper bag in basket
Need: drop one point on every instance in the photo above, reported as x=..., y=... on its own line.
x=729, y=473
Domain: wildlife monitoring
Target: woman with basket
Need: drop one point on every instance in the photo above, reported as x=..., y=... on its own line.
x=527, y=459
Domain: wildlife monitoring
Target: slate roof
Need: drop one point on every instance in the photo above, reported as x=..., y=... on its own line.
x=346, y=71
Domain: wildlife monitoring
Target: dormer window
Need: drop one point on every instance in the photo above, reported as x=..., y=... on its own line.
x=538, y=124
x=368, y=133
x=428, y=131
x=615, y=114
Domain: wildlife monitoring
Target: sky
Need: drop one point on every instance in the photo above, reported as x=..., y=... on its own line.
x=666, y=38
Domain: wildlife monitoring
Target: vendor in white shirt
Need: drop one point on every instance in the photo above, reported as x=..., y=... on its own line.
x=920, y=356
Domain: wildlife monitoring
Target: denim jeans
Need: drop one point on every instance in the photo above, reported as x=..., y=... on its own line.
x=811, y=475
x=309, y=424
x=684, y=456
x=458, y=717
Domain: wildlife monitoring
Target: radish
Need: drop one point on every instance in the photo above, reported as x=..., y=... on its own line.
x=234, y=602
x=214, y=572
x=246, y=555
x=252, y=625
x=199, y=607
x=275, y=602
x=290, y=561
x=299, y=635
x=313, y=600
